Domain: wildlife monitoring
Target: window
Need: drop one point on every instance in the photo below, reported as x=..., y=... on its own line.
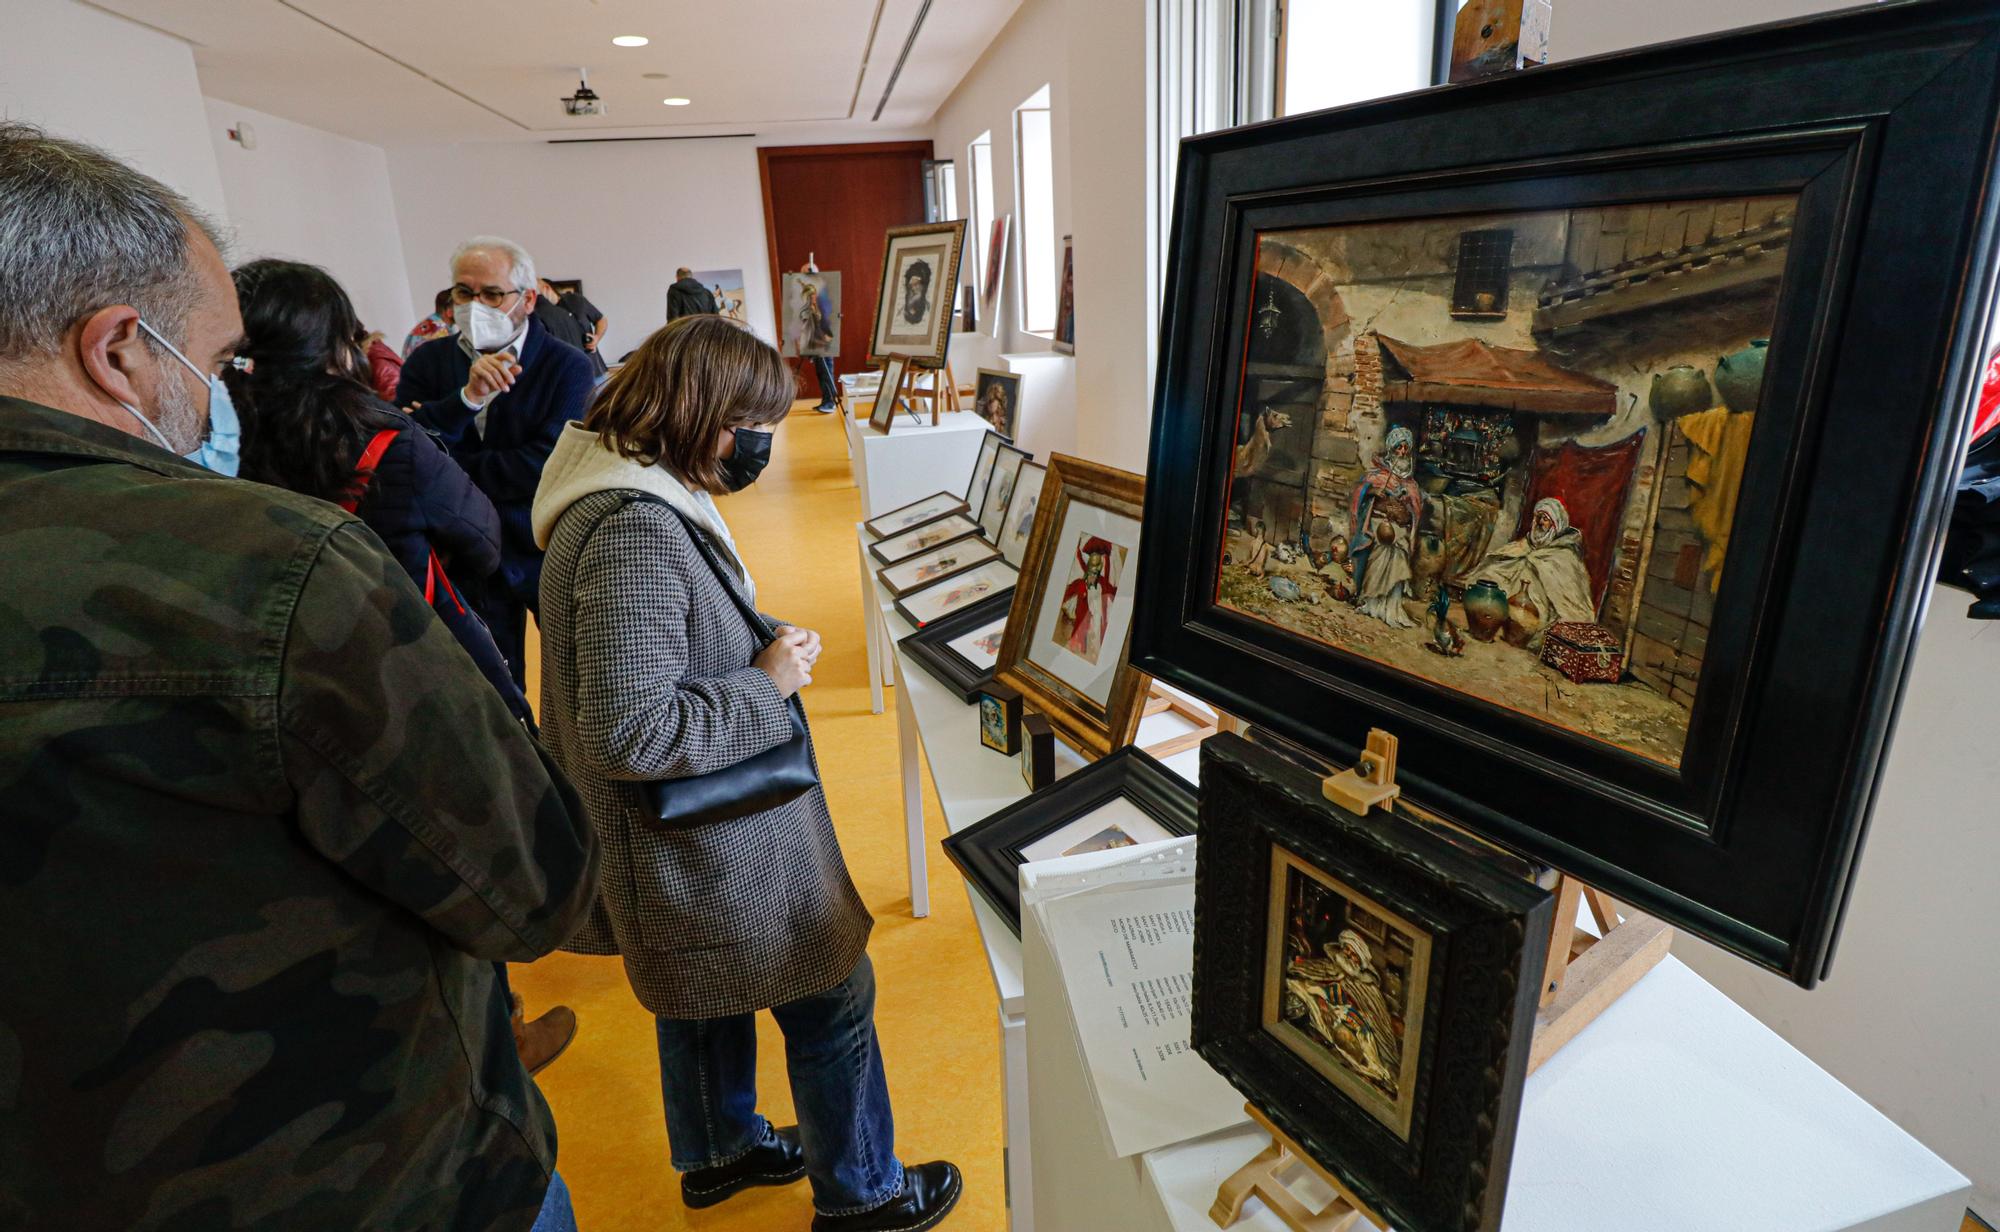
x=979, y=182
x=1334, y=51
x=1034, y=178
x=1481, y=287
x=940, y=190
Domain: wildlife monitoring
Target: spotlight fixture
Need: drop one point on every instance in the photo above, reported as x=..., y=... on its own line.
x=676, y=102
x=630, y=40
x=585, y=102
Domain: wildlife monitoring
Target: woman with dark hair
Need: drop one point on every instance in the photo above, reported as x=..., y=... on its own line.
x=653, y=670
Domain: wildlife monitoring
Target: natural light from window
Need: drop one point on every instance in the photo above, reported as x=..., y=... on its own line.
x=1034, y=176
x=1338, y=51
x=979, y=178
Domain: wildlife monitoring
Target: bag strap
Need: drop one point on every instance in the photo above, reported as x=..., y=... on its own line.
x=364, y=467
x=702, y=544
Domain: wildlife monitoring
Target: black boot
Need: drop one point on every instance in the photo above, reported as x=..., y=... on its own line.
x=777, y=1162
x=929, y=1192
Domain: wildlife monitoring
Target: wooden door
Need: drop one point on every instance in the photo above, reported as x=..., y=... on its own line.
x=835, y=202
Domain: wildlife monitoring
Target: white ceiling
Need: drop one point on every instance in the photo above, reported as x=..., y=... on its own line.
x=393, y=71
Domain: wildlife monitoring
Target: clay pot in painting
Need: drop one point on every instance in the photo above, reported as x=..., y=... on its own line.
x=1680, y=390
x=1485, y=609
x=1740, y=377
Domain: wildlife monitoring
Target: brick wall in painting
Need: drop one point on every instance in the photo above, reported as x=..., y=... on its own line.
x=1670, y=631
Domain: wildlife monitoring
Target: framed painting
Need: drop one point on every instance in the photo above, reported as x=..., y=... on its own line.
x=996, y=396
x=982, y=469
x=727, y=287
x=1121, y=800
x=996, y=268
x=1538, y=432
x=1007, y=463
x=954, y=594
x=968, y=309
x=1019, y=524
x=962, y=649
x=1067, y=635
x=917, y=513
x=928, y=568
x=944, y=530
x=1368, y=985
x=1064, y=339
x=888, y=396
x=913, y=307
x=810, y=312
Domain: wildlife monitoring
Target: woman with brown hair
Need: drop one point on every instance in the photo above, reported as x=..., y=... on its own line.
x=652, y=672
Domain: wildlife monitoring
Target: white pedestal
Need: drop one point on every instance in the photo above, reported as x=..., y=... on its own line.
x=913, y=459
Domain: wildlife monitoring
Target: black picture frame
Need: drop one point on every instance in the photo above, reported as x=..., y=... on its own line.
x=1882, y=119
x=988, y=852
x=930, y=646
x=1488, y=935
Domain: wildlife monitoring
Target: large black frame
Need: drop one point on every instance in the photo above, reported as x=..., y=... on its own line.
x=1489, y=935
x=930, y=646
x=988, y=852
x=1883, y=120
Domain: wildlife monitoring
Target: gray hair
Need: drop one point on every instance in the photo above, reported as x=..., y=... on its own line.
x=523, y=264
x=81, y=231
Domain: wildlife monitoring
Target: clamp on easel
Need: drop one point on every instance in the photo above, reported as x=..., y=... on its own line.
x=1371, y=781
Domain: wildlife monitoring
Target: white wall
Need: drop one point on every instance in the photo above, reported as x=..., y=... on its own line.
x=84, y=74
x=308, y=195
x=619, y=215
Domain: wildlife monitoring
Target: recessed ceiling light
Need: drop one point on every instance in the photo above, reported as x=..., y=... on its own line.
x=676, y=102
x=630, y=40
x=654, y=76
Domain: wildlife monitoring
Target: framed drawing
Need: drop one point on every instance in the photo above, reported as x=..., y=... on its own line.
x=913, y=305
x=916, y=513
x=1067, y=634
x=1000, y=489
x=1122, y=800
x=1019, y=523
x=961, y=649
x=996, y=268
x=997, y=397
x=954, y=594
x=810, y=311
x=1538, y=434
x=982, y=470
x=888, y=396
x=935, y=566
x=1064, y=339
x=968, y=309
x=1368, y=985
x=934, y=534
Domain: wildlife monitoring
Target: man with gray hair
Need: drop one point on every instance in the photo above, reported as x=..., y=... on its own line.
x=253, y=883
x=498, y=394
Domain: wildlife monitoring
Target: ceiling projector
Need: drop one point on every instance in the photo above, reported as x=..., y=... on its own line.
x=585, y=101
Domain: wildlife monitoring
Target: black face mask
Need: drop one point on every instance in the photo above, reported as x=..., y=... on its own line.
x=753, y=454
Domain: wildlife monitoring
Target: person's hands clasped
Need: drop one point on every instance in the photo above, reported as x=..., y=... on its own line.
x=789, y=659
x=490, y=375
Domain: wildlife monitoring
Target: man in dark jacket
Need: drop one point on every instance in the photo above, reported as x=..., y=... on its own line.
x=687, y=297
x=498, y=394
x=267, y=830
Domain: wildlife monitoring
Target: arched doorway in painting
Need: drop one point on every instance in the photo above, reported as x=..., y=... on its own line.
x=1282, y=382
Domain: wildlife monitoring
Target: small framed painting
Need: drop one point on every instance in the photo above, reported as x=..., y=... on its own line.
x=1000, y=719
x=1019, y=523
x=923, y=538
x=1121, y=801
x=811, y=306
x=996, y=268
x=1000, y=489
x=997, y=397
x=1066, y=637
x=1368, y=984
x=936, y=565
x=953, y=594
x=982, y=469
x=916, y=513
x=1064, y=340
x=888, y=397
x=961, y=650
x=913, y=308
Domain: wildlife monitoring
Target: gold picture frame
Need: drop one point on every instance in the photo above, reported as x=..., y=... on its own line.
x=916, y=327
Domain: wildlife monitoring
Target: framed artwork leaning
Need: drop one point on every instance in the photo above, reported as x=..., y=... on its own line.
x=1007, y=463
x=956, y=593
x=928, y=568
x=982, y=470
x=996, y=269
x=1370, y=986
x=917, y=513
x=811, y=315
x=1064, y=339
x=1019, y=522
x=1066, y=637
x=913, y=307
x=888, y=396
x=996, y=396
x=1121, y=800
x=1533, y=421
x=962, y=649
x=933, y=534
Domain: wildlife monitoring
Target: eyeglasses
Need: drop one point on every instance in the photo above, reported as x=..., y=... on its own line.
x=492, y=297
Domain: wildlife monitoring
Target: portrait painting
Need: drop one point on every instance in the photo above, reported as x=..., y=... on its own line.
x=1083, y=614
x=996, y=396
x=1007, y=465
x=1458, y=459
x=1344, y=986
x=889, y=396
x=990, y=445
x=810, y=315
x=1065, y=332
x=1000, y=719
x=1019, y=521
x=996, y=267
x=920, y=273
x=727, y=287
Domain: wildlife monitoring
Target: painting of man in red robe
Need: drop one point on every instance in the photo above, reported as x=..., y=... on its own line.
x=1086, y=603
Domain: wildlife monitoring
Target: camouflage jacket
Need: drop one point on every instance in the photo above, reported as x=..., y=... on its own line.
x=264, y=830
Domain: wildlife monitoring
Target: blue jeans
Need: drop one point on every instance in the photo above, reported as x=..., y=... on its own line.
x=708, y=1080
x=556, y=1214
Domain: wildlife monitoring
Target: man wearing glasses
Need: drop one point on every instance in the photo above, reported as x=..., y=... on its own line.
x=498, y=394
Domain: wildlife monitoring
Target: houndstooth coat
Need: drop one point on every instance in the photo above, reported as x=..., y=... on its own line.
x=646, y=675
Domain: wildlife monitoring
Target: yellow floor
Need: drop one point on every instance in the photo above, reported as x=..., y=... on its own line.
x=935, y=1009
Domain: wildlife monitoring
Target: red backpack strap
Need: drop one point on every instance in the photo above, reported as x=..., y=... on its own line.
x=364, y=467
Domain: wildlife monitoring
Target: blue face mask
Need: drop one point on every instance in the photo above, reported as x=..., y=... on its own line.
x=222, y=449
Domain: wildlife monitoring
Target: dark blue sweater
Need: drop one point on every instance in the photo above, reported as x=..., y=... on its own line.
x=506, y=459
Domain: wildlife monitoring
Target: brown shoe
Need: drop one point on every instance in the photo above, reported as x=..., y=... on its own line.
x=543, y=1040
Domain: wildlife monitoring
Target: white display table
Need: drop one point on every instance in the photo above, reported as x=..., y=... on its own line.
x=1676, y=1111
x=912, y=460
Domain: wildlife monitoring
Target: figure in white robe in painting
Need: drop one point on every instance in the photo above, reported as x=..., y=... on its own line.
x=1544, y=570
x=1382, y=529
x=1346, y=1007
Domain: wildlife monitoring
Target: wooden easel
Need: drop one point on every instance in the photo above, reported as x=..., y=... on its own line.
x=943, y=393
x=1163, y=701
x=1585, y=973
